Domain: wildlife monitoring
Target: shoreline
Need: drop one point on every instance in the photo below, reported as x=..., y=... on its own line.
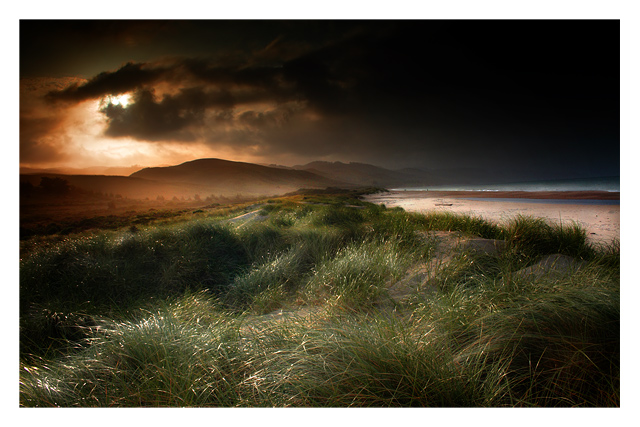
x=559, y=195
x=601, y=221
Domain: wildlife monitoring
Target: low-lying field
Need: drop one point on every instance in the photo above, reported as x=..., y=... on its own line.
x=316, y=301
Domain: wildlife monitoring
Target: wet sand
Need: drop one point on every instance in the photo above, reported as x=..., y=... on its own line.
x=601, y=221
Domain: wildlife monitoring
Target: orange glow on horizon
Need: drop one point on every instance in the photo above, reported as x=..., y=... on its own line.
x=77, y=135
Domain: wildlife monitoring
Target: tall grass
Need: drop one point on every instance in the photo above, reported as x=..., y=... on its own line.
x=356, y=276
x=110, y=273
x=174, y=358
x=177, y=356
x=172, y=315
x=380, y=361
x=535, y=236
x=192, y=354
x=270, y=284
x=117, y=268
x=468, y=224
x=561, y=348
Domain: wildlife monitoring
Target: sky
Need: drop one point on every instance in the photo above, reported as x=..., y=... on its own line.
x=533, y=99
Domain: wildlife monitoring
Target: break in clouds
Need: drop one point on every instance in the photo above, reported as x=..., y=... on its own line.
x=306, y=105
x=189, y=99
x=415, y=93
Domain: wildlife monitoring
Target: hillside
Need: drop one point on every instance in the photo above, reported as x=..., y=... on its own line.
x=204, y=177
x=223, y=176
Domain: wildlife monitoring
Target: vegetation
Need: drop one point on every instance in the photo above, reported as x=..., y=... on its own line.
x=318, y=299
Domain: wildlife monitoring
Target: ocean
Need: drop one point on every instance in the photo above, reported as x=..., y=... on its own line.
x=609, y=183
x=546, y=201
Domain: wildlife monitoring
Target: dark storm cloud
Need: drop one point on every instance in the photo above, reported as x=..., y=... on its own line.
x=88, y=32
x=168, y=119
x=129, y=77
x=60, y=48
x=423, y=91
x=256, y=76
x=260, y=120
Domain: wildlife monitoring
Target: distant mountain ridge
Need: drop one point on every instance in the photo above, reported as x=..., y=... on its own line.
x=364, y=174
x=203, y=170
x=226, y=178
x=317, y=174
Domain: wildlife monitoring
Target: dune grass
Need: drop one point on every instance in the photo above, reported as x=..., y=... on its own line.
x=533, y=236
x=173, y=315
x=468, y=224
x=356, y=275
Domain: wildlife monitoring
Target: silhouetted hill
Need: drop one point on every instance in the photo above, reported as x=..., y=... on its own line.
x=227, y=177
x=205, y=177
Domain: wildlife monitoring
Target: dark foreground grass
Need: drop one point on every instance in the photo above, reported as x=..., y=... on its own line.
x=170, y=315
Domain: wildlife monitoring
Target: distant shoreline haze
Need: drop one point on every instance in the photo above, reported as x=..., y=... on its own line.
x=609, y=184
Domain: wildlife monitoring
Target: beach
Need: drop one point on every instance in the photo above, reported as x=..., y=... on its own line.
x=591, y=209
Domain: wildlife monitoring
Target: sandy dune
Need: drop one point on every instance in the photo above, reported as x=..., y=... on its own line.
x=601, y=221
